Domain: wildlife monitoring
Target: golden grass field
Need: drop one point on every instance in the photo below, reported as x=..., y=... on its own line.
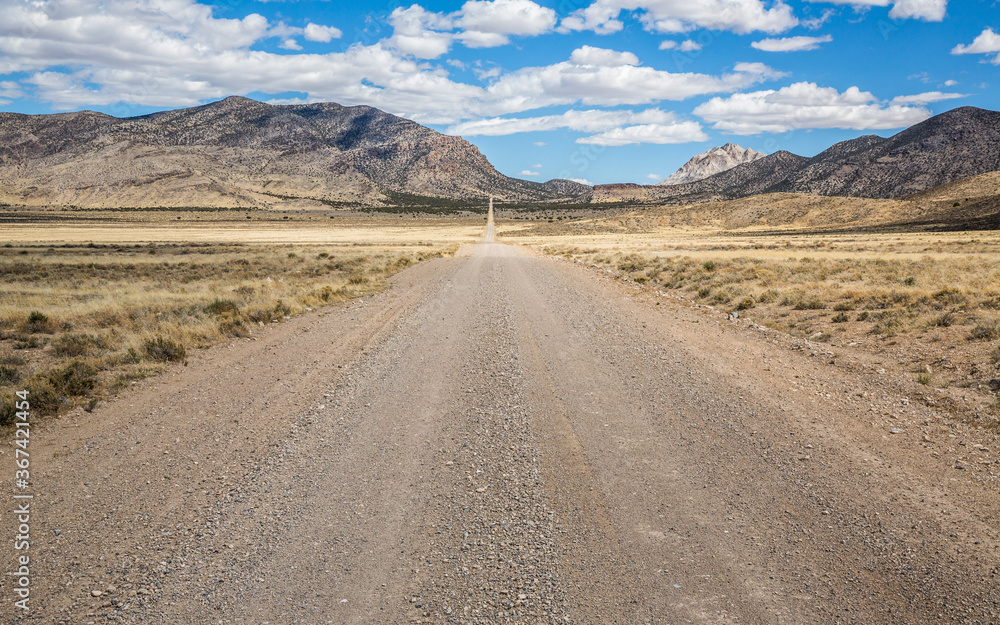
x=89, y=306
x=92, y=300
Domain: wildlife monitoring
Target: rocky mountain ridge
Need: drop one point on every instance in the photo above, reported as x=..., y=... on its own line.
x=957, y=144
x=242, y=153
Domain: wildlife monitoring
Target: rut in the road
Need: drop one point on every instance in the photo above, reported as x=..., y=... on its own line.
x=492, y=554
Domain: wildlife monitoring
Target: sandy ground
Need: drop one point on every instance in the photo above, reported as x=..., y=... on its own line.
x=500, y=437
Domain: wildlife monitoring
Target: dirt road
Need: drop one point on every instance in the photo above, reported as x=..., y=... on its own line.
x=500, y=437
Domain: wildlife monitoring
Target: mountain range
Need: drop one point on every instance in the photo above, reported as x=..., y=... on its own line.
x=242, y=153
x=957, y=144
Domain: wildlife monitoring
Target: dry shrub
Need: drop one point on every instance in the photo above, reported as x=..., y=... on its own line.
x=986, y=331
x=38, y=322
x=79, y=377
x=164, y=350
x=74, y=344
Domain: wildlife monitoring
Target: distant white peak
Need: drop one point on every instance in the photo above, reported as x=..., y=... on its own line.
x=711, y=162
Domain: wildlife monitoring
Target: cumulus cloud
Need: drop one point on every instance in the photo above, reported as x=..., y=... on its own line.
x=926, y=98
x=422, y=33
x=988, y=42
x=677, y=16
x=177, y=53
x=593, y=120
x=928, y=10
x=689, y=46
x=618, y=127
x=323, y=34
x=290, y=44
x=488, y=23
x=668, y=44
x=569, y=82
x=10, y=89
x=654, y=176
x=679, y=132
x=791, y=44
x=528, y=172
x=589, y=55
x=478, y=24
x=806, y=105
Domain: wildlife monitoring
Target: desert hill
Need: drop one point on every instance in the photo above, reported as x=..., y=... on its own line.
x=242, y=153
x=969, y=204
x=951, y=146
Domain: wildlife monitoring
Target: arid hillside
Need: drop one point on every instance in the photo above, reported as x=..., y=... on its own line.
x=246, y=154
x=951, y=146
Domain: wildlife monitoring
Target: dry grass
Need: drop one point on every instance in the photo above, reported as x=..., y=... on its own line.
x=81, y=321
x=930, y=300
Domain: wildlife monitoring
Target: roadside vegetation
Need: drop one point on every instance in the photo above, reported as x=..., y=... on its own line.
x=80, y=322
x=928, y=302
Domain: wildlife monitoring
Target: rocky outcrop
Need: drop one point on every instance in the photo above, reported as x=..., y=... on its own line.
x=714, y=161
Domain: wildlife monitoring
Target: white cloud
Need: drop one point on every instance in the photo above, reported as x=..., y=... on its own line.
x=419, y=32
x=689, y=46
x=791, y=44
x=323, y=34
x=487, y=74
x=568, y=83
x=676, y=16
x=581, y=181
x=540, y=144
x=593, y=120
x=528, y=172
x=926, y=98
x=805, y=105
x=928, y=10
x=598, y=17
x=176, y=53
x=536, y=166
x=588, y=55
x=668, y=44
x=679, y=132
x=654, y=176
x=478, y=24
x=949, y=83
x=619, y=127
x=488, y=23
x=988, y=42
x=290, y=44
x=10, y=90
x=816, y=22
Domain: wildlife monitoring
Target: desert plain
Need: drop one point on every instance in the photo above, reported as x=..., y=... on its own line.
x=597, y=416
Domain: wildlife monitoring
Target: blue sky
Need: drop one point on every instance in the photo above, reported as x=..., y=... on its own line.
x=595, y=90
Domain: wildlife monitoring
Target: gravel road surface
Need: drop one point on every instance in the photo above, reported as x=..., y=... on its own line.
x=504, y=438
